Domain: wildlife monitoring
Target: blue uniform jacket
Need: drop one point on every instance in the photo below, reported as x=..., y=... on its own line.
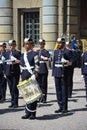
x=13, y=68
x=58, y=71
x=1, y=67
x=34, y=63
x=43, y=65
x=84, y=63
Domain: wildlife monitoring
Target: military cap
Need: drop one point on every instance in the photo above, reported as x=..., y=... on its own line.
x=41, y=41
x=28, y=40
x=1, y=43
x=58, y=39
x=61, y=40
x=12, y=42
x=67, y=43
x=4, y=44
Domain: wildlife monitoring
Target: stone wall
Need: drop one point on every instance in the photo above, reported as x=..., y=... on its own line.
x=73, y=17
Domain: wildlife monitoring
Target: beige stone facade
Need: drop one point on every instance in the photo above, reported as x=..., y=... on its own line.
x=56, y=17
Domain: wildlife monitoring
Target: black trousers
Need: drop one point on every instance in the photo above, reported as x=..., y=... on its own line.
x=30, y=109
x=85, y=79
x=61, y=92
x=43, y=85
x=12, y=82
x=3, y=86
x=70, y=82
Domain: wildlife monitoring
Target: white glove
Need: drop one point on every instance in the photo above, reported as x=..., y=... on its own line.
x=3, y=58
x=13, y=58
x=64, y=60
x=33, y=77
x=4, y=76
x=44, y=58
x=82, y=76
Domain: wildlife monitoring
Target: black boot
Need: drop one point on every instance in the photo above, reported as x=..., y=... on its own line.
x=11, y=106
x=26, y=116
x=33, y=116
x=59, y=110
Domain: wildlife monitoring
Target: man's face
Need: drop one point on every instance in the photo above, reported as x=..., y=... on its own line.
x=42, y=46
x=60, y=45
x=1, y=48
x=12, y=46
x=27, y=46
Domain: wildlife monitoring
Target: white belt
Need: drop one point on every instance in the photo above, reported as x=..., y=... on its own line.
x=42, y=62
x=60, y=65
x=9, y=63
x=25, y=68
x=85, y=63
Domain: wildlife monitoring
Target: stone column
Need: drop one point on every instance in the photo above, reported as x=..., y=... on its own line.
x=17, y=27
x=6, y=20
x=60, y=17
x=49, y=22
x=73, y=14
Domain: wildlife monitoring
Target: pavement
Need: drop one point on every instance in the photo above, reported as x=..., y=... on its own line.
x=75, y=119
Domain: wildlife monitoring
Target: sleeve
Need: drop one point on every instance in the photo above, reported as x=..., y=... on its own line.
x=19, y=55
x=45, y=53
x=36, y=61
x=53, y=67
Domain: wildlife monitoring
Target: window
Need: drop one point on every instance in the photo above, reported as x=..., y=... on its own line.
x=31, y=22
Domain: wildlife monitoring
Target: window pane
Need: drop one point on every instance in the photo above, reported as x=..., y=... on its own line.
x=32, y=25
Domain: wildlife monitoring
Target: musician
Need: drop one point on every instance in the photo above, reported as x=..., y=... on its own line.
x=84, y=70
x=70, y=68
x=4, y=81
x=43, y=74
x=30, y=68
x=61, y=62
x=12, y=71
x=1, y=75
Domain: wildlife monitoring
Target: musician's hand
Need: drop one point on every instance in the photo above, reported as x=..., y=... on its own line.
x=69, y=63
x=44, y=58
x=17, y=61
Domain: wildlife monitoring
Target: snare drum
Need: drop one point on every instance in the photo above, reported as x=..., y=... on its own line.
x=30, y=90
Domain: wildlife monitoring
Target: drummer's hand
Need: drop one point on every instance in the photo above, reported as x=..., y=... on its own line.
x=33, y=77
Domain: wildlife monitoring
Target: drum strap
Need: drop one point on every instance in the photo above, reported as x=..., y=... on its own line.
x=27, y=64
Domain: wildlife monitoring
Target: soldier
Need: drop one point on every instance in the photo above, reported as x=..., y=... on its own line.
x=43, y=74
x=78, y=49
x=61, y=63
x=84, y=70
x=30, y=66
x=1, y=75
x=4, y=78
x=12, y=71
x=70, y=68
